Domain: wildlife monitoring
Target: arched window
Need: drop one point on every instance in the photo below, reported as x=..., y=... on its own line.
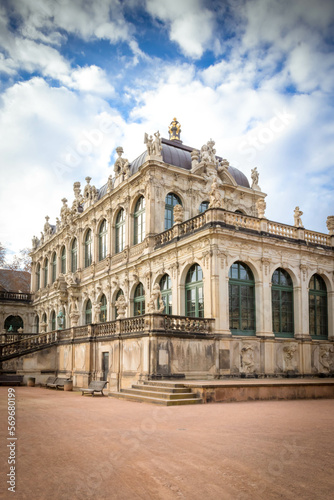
x=44, y=318
x=282, y=303
x=166, y=292
x=318, y=307
x=139, y=301
x=139, y=221
x=63, y=260
x=37, y=324
x=74, y=255
x=53, y=321
x=88, y=248
x=119, y=293
x=46, y=271
x=54, y=267
x=103, y=309
x=38, y=276
x=103, y=240
x=241, y=299
x=88, y=313
x=194, y=292
x=170, y=202
x=13, y=323
x=203, y=206
x=120, y=231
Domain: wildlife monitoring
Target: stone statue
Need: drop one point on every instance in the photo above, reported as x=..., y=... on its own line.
x=260, y=207
x=110, y=184
x=178, y=214
x=148, y=140
x=121, y=305
x=297, y=217
x=34, y=242
x=121, y=168
x=330, y=224
x=47, y=227
x=157, y=147
x=255, y=179
x=157, y=304
x=65, y=212
x=215, y=198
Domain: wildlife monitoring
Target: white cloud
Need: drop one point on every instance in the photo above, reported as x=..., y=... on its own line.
x=90, y=79
x=40, y=126
x=190, y=24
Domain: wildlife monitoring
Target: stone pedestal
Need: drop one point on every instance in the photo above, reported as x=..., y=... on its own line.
x=68, y=385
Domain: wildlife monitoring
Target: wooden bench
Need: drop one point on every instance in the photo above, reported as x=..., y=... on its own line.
x=6, y=379
x=50, y=380
x=59, y=382
x=94, y=386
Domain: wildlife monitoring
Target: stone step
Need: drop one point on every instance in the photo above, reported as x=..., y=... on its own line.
x=155, y=400
x=162, y=395
x=165, y=383
x=161, y=388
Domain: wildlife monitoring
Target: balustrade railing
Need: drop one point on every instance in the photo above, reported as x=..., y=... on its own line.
x=187, y=324
x=133, y=325
x=105, y=329
x=241, y=221
x=16, y=296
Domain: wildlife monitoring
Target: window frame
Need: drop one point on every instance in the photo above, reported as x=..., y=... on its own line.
x=103, y=309
x=139, y=221
x=103, y=232
x=282, y=289
x=194, y=288
x=120, y=231
x=139, y=300
x=313, y=292
x=166, y=293
x=169, y=209
x=88, y=248
x=74, y=255
x=88, y=313
x=242, y=285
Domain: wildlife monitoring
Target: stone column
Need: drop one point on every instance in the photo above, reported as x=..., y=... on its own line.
x=330, y=308
x=301, y=311
x=263, y=308
x=33, y=276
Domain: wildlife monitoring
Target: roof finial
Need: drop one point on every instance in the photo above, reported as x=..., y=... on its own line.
x=174, y=130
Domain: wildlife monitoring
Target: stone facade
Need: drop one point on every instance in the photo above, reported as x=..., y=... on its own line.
x=120, y=241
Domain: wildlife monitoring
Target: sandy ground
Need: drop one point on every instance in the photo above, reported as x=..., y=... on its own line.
x=74, y=447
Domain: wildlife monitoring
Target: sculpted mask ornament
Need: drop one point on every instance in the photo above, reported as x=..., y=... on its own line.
x=289, y=355
x=297, y=217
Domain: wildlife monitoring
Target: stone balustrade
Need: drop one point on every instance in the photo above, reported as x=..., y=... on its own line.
x=137, y=324
x=242, y=221
x=16, y=296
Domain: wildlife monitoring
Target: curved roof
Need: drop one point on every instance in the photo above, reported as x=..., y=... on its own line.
x=177, y=154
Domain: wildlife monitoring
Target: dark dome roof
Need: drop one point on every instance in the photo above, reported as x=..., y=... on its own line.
x=177, y=154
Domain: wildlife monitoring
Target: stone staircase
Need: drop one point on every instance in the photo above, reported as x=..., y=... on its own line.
x=163, y=393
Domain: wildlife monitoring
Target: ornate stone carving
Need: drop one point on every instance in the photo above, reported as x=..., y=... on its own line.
x=90, y=194
x=154, y=146
x=121, y=305
x=289, y=352
x=330, y=224
x=303, y=269
x=297, y=217
x=247, y=358
x=261, y=207
x=78, y=199
x=215, y=198
x=325, y=352
x=47, y=228
x=155, y=300
x=255, y=179
x=34, y=242
x=178, y=214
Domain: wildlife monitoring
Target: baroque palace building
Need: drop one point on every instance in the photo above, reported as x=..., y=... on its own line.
x=171, y=269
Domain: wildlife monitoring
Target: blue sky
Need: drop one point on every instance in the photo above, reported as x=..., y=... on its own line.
x=79, y=78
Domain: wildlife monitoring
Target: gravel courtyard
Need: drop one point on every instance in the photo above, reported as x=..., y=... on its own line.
x=74, y=447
